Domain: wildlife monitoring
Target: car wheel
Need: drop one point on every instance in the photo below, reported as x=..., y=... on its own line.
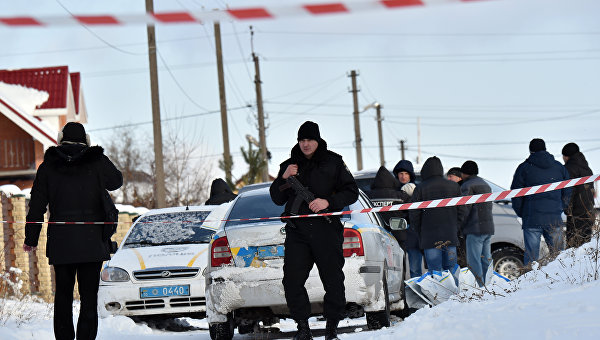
x=508, y=262
x=376, y=320
x=222, y=330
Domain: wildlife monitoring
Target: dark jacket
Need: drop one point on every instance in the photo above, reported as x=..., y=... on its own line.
x=406, y=166
x=540, y=209
x=582, y=197
x=220, y=193
x=478, y=217
x=325, y=175
x=435, y=225
x=384, y=193
x=70, y=181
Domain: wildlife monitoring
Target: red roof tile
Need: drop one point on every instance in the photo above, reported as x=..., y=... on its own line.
x=53, y=80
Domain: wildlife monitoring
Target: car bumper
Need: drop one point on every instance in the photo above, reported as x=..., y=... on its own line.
x=123, y=298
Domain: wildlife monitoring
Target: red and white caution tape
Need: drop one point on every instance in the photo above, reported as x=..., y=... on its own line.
x=231, y=14
x=439, y=203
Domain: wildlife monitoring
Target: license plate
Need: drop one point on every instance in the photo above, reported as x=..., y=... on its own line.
x=164, y=291
x=266, y=252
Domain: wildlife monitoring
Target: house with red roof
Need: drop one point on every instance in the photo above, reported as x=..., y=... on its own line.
x=34, y=105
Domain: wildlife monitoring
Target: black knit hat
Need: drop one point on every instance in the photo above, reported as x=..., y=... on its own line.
x=73, y=132
x=537, y=144
x=570, y=149
x=454, y=171
x=309, y=130
x=469, y=168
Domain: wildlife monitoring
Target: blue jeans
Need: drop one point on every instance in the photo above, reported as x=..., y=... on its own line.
x=479, y=255
x=440, y=259
x=532, y=237
x=415, y=259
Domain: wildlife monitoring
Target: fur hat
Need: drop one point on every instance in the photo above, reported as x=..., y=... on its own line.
x=309, y=130
x=469, y=168
x=454, y=171
x=537, y=144
x=570, y=149
x=73, y=133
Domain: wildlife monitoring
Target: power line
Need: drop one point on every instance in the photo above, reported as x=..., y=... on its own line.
x=427, y=34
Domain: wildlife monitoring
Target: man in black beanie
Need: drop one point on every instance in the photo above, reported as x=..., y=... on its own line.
x=324, y=174
x=478, y=226
x=71, y=182
x=580, y=213
x=541, y=213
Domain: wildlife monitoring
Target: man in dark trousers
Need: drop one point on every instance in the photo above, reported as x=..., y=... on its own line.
x=437, y=227
x=220, y=193
x=71, y=181
x=314, y=240
x=541, y=213
x=478, y=225
x=580, y=213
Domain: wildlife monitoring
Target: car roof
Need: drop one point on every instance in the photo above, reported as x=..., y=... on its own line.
x=180, y=209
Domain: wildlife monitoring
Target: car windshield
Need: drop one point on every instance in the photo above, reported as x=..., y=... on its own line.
x=253, y=206
x=170, y=228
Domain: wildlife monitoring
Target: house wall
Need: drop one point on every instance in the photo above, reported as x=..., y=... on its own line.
x=16, y=147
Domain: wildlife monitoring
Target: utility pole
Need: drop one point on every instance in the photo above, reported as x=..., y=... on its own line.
x=159, y=180
x=380, y=133
x=261, y=116
x=357, y=139
x=402, y=149
x=227, y=162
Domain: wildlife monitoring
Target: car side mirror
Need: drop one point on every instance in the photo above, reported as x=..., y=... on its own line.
x=397, y=223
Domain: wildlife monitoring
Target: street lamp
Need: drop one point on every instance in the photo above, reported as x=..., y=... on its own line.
x=379, y=119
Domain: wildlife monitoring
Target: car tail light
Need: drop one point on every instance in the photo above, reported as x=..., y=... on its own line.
x=352, y=243
x=220, y=253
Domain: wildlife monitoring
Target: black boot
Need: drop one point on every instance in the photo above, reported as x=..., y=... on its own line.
x=331, y=330
x=303, y=332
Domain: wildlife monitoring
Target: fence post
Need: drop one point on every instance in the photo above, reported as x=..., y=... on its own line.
x=21, y=258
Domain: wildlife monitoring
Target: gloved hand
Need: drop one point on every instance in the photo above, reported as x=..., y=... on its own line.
x=408, y=188
x=28, y=249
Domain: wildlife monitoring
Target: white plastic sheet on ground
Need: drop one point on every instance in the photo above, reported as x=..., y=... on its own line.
x=436, y=287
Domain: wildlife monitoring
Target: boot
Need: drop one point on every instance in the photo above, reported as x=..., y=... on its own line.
x=331, y=330
x=303, y=332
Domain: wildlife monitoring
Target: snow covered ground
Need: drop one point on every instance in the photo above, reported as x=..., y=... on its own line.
x=558, y=301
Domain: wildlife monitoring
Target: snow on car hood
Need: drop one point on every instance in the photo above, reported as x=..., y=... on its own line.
x=186, y=255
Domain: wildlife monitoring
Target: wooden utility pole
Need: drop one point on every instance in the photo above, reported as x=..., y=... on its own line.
x=159, y=178
x=402, y=149
x=227, y=162
x=357, y=139
x=380, y=133
x=262, y=140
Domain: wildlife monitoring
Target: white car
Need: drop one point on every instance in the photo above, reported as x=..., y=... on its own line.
x=245, y=270
x=157, y=270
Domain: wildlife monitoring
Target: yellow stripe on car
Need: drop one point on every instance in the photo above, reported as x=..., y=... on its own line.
x=140, y=258
x=195, y=257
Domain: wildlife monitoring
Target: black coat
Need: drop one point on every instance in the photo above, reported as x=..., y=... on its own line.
x=383, y=193
x=69, y=181
x=582, y=198
x=220, y=193
x=478, y=217
x=435, y=225
x=325, y=175
x=540, y=209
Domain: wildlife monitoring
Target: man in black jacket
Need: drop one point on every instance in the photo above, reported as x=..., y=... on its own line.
x=478, y=225
x=437, y=227
x=580, y=213
x=314, y=240
x=71, y=181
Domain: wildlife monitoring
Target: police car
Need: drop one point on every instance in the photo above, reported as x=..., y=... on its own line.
x=245, y=268
x=157, y=270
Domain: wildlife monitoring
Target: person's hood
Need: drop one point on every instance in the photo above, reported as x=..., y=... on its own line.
x=384, y=180
x=432, y=167
x=72, y=154
x=541, y=159
x=219, y=186
x=405, y=165
x=298, y=157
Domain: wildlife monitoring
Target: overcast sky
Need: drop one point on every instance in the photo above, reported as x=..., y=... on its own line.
x=483, y=77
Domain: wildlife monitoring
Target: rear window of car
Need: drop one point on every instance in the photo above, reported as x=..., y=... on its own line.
x=253, y=206
x=170, y=228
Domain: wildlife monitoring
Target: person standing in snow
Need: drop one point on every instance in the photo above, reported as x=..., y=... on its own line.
x=541, y=213
x=580, y=213
x=384, y=193
x=405, y=173
x=478, y=225
x=71, y=181
x=437, y=227
x=220, y=193
x=314, y=240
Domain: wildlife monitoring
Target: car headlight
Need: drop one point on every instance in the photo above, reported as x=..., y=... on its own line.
x=114, y=274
